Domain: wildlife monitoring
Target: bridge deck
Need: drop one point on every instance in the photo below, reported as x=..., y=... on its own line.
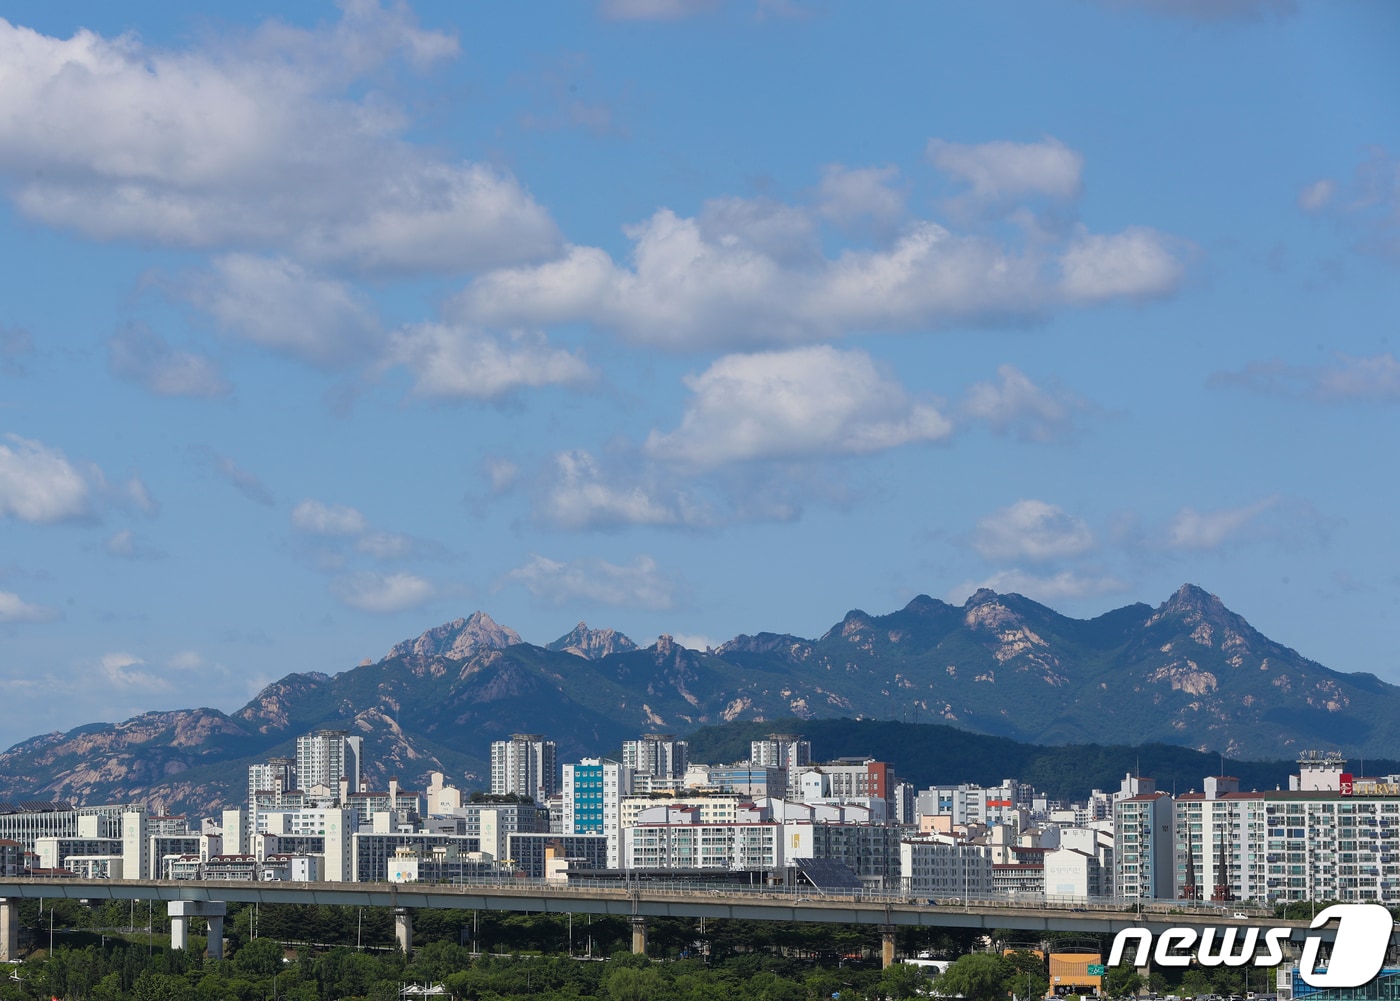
x=661, y=900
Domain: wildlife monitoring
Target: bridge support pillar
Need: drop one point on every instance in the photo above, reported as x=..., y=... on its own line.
x=886, y=946
x=9, y=929
x=215, y=948
x=181, y=911
x=403, y=929
x=639, y=935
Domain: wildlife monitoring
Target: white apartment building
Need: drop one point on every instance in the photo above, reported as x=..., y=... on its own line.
x=939, y=867
x=659, y=754
x=1144, y=846
x=781, y=750
x=673, y=837
x=525, y=765
x=324, y=757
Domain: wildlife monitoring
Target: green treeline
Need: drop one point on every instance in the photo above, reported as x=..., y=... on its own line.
x=928, y=753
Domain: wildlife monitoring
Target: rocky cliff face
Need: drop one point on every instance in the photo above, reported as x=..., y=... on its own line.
x=592, y=644
x=1188, y=672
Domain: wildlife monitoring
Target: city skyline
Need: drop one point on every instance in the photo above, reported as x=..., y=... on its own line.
x=686, y=317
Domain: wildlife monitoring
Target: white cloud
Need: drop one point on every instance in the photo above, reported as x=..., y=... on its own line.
x=1316, y=196
x=116, y=667
x=455, y=362
x=186, y=660
x=693, y=283
x=13, y=609
x=278, y=304
x=581, y=496
x=38, y=484
x=862, y=196
x=1017, y=404
x=1031, y=530
x=382, y=594
x=655, y=10
x=1206, y=530
x=274, y=140
x=1349, y=379
x=145, y=358
x=786, y=233
x=792, y=404
x=639, y=584
x=999, y=173
x=315, y=518
x=1138, y=263
x=1067, y=584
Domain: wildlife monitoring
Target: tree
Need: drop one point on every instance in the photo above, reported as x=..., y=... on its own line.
x=902, y=980
x=1120, y=981
x=261, y=957
x=630, y=983
x=978, y=976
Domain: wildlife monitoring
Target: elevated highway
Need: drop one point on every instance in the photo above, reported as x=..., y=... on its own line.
x=636, y=902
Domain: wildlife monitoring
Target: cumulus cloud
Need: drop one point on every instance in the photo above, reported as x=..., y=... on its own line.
x=14, y=609
x=583, y=495
x=791, y=404
x=1208, y=530
x=316, y=518
x=382, y=594
x=456, y=362
x=1348, y=379
x=39, y=484
x=860, y=197
x=277, y=303
x=142, y=356
x=639, y=584
x=1031, y=530
x=1067, y=584
x=270, y=141
x=1001, y=173
x=340, y=522
x=117, y=668
x=1016, y=404
x=706, y=282
x=242, y=480
x=1138, y=263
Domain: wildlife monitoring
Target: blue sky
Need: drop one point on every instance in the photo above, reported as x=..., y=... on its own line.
x=319, y=329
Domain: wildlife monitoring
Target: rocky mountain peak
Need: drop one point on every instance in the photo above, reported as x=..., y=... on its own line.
x=456, y=640
x=592, y=644
x=1205, y=616
x=986, y=610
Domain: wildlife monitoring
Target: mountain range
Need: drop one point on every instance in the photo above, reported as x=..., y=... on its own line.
x=1188, y=672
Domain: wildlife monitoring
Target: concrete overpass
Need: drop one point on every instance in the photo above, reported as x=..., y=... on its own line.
x=637, y=902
